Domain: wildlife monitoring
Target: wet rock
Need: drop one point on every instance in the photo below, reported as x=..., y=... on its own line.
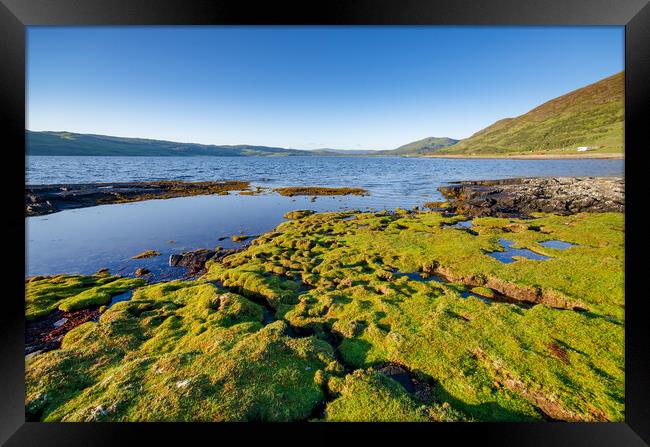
x=522, y=196
x=194, y=260
x=141, y=271
x=147, y=254
x=298, y=214
x=436, y=205
x=239, y=237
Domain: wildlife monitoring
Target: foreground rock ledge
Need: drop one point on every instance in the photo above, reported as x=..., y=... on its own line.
x=522, y=196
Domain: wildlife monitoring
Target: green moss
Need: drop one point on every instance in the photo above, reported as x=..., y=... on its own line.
x=186, y=351
x=44, y=294
x=178, y=351
x=298, y=214
x=368, y=396
x=491, y=360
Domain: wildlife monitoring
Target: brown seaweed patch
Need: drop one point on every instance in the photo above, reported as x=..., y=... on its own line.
x=319, y=191
x=146, y=254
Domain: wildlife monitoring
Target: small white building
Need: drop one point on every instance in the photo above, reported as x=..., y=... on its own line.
x=584, y=148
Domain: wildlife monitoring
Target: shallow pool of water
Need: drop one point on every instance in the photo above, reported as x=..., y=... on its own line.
x=558, y=245
x=126, y=296
x=506, y=256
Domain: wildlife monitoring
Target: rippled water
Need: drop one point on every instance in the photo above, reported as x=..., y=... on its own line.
x=87, y=239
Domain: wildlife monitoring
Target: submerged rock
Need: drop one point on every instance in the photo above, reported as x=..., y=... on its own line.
x=141, y=271
x=147, y=254
x=194, y=260
x=239, y=237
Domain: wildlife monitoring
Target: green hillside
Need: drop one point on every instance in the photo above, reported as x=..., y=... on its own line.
x=67, y=143
x=590, y=116
x=428, y=145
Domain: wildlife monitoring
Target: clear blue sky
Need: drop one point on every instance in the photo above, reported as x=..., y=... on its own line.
x=305, y=87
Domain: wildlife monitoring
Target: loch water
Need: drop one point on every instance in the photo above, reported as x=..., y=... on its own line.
x=87, y=239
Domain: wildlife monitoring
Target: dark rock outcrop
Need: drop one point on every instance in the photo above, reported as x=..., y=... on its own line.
x=195, y=260
x=46, y=199
x=521, y=196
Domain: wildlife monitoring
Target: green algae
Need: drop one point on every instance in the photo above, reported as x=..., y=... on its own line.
x=178, y=351
x=490, y=360
x=44, y=294
x=188, y=351
x=368, y=396
x=298, y=214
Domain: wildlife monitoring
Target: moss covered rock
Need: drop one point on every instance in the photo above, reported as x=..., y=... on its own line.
x=178, y=351
x=44, y=294
x=298, y=214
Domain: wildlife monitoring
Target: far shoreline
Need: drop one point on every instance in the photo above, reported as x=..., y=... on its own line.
x=595, y=156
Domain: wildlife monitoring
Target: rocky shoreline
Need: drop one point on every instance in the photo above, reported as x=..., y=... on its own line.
x=47, y=199
x=519, y=197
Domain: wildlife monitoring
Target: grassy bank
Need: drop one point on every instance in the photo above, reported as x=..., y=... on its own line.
x=615, y=155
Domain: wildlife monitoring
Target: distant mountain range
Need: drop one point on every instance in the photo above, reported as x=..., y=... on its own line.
x=68, y=143
x=424, y=146
x=591, y=117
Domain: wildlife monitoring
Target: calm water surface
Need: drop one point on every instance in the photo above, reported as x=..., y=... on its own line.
x=84, y=240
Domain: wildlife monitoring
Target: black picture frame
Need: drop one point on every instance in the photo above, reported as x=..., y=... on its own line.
x=15, y=15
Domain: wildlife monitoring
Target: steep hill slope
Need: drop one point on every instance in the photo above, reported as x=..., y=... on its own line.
x=590, y=116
